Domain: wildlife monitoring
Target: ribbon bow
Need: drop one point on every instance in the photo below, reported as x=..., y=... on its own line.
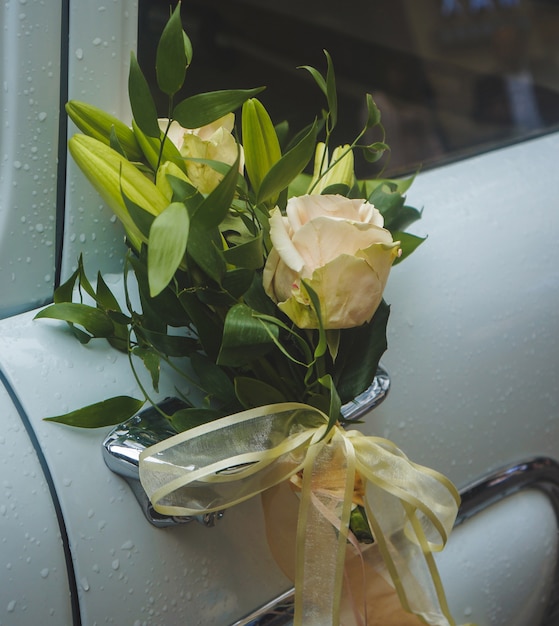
x=410, y=509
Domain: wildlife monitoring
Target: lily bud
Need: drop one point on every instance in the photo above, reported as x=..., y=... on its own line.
x=112, y=176
x=260, y=141
x=338, y=171
x=97, y=124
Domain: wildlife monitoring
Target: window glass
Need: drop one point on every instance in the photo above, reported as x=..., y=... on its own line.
x=451, y=77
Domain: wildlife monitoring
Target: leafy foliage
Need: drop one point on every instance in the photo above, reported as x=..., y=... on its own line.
x=199, y=237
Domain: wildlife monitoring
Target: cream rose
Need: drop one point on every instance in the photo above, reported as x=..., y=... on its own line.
x=339, y=247
x=213, y=142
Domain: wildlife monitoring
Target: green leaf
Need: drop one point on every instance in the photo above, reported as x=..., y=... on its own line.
x=237, y=282
x=65, y=291
x=171, y=61
x=170, y=345
x=80, y=335
x=115, y=144
x=152, y=363
x=119, y=318
x=105, y=297
x=335, y=403
x=185, y=419
x=183, y=191
x=359, y=353
x=105, y=413
x=95, y=321
x=167, y=244
x=84, y=281
x=373, y=152
x=359, y=525
x=388, y=200
x=408, y=244
x=165, y=308
x=216, y=296
x=249, y=254
x=245, y=337
x=260, y=142
x=214, y=208
x=288, y=167
x=373, y=112
x=299, y=342
x=319, y=79
x=401, y=185
x=252, y=393
x=204, y=248
x=337, y=188
x=107, y=302
x=331, y=94
x=205, y=108
x=322, y=344
x=401, y=219
x=141, y=100
x=213, y=379
x=187, y=48
x=203, y=318
x=257, y=299
x=141, y=218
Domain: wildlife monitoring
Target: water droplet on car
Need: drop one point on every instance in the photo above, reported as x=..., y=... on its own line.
x=79, y=54
x=45, y=572
x=84, y=583
x=127, y=545
x=11, y=606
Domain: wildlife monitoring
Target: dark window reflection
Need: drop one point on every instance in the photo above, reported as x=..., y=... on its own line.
x=451, y=77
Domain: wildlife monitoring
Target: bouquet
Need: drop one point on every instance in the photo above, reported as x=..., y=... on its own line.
x=256, y=253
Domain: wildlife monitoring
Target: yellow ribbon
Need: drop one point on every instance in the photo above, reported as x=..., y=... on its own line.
x=411, y=509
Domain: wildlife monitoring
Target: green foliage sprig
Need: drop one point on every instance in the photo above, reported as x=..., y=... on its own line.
x=198, y=232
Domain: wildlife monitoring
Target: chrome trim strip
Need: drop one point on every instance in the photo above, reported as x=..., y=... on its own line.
x=121, y=453
x=537, y=473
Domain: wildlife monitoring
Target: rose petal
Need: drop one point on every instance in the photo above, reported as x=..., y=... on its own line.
x=322, y=240
x=302, y=209
x=282, y=242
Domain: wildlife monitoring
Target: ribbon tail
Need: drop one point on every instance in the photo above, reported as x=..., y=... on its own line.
x=408, y=558
x=322, y=532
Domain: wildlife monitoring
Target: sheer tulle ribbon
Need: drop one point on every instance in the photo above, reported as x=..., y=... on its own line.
x=410, y=509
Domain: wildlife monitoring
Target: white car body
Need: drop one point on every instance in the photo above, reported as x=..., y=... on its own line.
x=473, y=358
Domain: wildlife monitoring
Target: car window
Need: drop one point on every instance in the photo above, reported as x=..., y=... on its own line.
x=451, y=77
